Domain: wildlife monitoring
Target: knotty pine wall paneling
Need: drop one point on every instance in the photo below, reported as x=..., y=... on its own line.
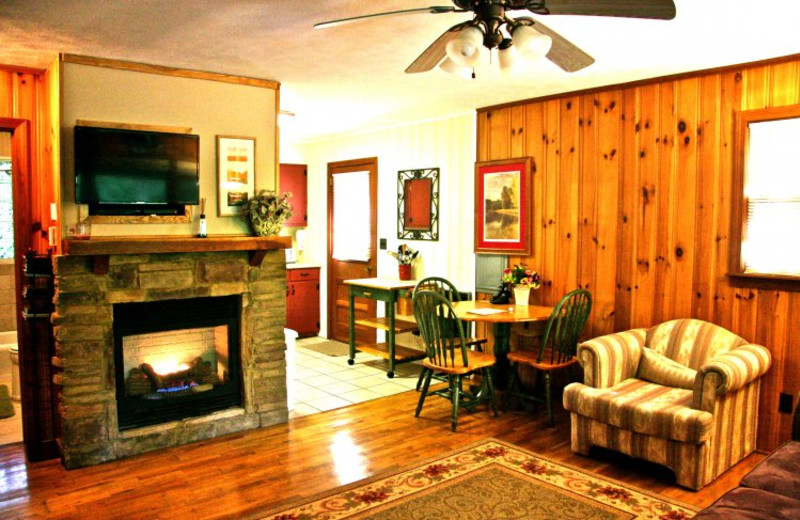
x=26, y=94
x=632, y=200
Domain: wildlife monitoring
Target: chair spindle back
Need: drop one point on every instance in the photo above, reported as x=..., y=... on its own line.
x=440, y=329
x=560, y=341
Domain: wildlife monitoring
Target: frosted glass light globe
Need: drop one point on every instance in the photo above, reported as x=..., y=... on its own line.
x=530, y=43
x=465, y=49
x=507, y=58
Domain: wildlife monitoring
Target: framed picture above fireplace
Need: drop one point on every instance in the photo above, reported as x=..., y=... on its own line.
x=236, y=171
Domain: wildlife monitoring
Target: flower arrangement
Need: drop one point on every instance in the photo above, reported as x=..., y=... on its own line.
x=266, y=212
x=404, y=255
x=521, y=275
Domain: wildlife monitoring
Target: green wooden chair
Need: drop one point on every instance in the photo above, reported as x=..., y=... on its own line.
x=448, y=355
x=557, y=349
x=448, y=290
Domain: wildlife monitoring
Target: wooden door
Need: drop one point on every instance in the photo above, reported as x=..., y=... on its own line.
x=352, y=243
x=293, y=179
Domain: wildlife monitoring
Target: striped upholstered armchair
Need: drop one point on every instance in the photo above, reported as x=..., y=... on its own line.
x=683, y=394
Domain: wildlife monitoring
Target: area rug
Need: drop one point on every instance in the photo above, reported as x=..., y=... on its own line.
x=329, y=348
x=489, y=480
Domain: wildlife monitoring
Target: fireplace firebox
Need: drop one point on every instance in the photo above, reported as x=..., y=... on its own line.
x=176, y=359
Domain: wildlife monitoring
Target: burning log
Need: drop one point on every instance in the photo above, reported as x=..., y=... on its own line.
x=138, y=383
x=199, y=373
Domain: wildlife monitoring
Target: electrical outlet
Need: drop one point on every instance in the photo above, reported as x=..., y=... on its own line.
x=383, y=244
x=785, y=403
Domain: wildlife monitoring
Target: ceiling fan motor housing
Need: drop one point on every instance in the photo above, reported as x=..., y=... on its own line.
x=491, y=15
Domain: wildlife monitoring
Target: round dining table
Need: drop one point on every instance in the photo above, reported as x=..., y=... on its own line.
x=501, y=317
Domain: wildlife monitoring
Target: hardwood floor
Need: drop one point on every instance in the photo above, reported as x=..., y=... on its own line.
x=241, y=475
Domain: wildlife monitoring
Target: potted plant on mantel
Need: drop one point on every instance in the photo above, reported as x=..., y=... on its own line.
x=266, y=212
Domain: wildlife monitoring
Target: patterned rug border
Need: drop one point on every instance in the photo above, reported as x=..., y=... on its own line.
x=270, y=514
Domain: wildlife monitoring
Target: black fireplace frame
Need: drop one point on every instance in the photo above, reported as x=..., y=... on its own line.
x=165, y=315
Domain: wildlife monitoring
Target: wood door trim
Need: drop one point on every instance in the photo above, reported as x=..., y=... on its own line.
x=368, y=163
x=23, y=241
x=169, y=71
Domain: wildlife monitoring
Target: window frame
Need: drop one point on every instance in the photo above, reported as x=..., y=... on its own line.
x=736, y=274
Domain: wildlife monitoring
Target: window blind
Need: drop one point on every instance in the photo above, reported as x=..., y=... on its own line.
x=772, y=237
x=771, y=242
x=352, y=227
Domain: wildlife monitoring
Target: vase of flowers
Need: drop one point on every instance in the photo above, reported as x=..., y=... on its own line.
x=266, y=212
x=522, y=280
x=404, y=256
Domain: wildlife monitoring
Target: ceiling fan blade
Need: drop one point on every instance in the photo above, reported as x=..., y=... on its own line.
x=435, y=52
x=433, y=10
x=658, y=9
x=563, y=52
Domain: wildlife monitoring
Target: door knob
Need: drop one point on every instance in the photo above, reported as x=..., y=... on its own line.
x=368, y=268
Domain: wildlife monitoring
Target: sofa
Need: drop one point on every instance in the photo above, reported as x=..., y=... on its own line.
x=683, y=394
x=770, y=491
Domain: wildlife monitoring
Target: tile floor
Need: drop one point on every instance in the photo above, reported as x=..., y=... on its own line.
x=319, y=382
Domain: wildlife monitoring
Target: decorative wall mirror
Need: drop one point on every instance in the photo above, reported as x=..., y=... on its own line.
x=418, y=204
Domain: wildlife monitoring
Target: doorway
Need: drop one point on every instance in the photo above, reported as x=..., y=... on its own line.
x=10, y=412
x=352, y=242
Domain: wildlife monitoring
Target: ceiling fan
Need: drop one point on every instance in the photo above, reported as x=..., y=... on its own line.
x=463, y=45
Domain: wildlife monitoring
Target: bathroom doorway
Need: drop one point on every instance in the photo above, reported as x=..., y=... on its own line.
x=10, y=413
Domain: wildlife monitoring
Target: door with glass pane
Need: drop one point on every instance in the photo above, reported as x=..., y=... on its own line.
x=352, y=223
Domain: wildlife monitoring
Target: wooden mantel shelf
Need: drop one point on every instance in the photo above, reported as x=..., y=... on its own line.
x=100, y=248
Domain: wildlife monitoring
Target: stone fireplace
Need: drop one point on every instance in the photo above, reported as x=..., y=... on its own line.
x=154, y=303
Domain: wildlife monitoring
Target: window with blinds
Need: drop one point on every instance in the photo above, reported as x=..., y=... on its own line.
x=771, y=231
x=6, y=198
x=351, y=218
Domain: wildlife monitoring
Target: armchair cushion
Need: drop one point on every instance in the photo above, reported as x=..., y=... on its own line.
x=657, y=368
x=691, y=342
x=642, y=407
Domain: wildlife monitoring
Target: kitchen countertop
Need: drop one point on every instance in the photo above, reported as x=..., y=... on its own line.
x=302, y=266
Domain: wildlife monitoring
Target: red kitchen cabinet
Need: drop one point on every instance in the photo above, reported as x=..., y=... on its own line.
x=293, y=179
x=302, y=300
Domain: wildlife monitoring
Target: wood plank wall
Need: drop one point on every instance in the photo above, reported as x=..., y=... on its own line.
x=632, y=200
x=33, y=95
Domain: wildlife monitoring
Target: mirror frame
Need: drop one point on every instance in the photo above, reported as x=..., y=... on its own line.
x=404, y=177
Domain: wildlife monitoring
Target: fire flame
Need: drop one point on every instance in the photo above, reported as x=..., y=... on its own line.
x=168, y=366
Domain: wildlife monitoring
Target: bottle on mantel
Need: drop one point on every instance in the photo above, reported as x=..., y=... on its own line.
x=203, y=227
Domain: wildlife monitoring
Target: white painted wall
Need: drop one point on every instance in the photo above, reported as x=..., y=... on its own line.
x=447, y=144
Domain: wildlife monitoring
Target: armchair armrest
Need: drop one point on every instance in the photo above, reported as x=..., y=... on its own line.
x=610, y=359
x=732, y=370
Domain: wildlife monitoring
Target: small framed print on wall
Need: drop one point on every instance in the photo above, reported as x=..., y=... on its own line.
x=503, y=206
x=236, y=170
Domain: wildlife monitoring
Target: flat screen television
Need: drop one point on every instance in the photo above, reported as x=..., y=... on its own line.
x=135, y=172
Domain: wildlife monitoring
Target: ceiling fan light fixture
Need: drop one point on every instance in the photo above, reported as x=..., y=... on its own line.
x=506, y=58
x=530, y=43
x=455, y=69
x=465, y=49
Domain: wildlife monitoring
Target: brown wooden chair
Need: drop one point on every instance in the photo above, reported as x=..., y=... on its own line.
x=448, y=355
x=556, y=350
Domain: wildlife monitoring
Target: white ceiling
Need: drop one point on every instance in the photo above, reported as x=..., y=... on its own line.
x=350, y=78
